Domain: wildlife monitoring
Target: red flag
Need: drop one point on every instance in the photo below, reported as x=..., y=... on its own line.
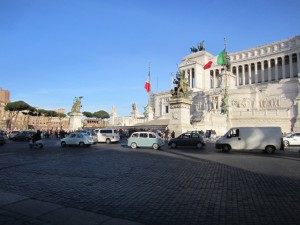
x=147, y=84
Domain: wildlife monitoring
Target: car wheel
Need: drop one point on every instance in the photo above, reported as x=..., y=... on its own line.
x=173, y=145
x=40, y=146
x=199, y=145
x=63, y=144
x=270, y=149
x=226, y=148
x=107, y=141
x=81, y=144
x=155, y=146
x=133, y=145
x=286, y=143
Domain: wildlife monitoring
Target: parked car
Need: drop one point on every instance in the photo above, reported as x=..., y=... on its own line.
x=12, y=134
x=2, y=139
x=77, y=138
x=145, y=139
x=291, y=139
x=91, y=133
x=23, y=136
x=107, y=135
x=187, y=139
x=268, y=139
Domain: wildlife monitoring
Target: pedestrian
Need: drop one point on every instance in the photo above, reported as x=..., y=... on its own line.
x=173, y=134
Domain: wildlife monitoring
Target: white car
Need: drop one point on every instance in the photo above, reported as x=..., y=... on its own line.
x=80, y=139
x=292, y=139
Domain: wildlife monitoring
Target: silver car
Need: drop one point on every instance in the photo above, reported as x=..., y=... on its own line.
x=80, y=139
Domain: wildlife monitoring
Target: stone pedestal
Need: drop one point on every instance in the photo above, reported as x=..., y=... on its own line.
x=180, y=115
x=75, y=121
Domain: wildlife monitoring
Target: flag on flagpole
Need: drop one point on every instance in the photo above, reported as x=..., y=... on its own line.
x=147, y=84
x=220, y=59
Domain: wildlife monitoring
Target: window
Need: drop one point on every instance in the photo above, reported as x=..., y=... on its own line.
x=194, y=135
x=152, y=136
x=105, y=131
x=143, y=135
x=135, y=135
x=234, y=133
x=167, y=109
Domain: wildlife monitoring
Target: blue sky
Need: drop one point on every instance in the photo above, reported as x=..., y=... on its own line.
x=54, y=50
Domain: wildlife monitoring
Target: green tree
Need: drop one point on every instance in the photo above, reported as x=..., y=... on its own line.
x=14, y=108
x=88, y=114
x=101, y=114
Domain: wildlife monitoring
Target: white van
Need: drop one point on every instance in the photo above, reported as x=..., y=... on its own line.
x=107, y=135
x=267, y=139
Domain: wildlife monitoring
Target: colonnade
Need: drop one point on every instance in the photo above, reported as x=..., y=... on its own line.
x=264, y=71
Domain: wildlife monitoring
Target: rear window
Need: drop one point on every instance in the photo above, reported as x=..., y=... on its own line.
x=152, y=135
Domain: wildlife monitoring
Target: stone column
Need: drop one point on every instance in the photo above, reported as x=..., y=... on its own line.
x=214, y=79
x=283, y=68
x=237, y=76
x=269, y=70
x=276, y=68
x=255, y=72
x=291, y=66
x=243, y=73
x=262, y=72
x=249, y=73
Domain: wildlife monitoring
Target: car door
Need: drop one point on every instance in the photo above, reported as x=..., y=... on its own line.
x=72, y=139
x=194, y=139
x=143, y=140
x=184, y=140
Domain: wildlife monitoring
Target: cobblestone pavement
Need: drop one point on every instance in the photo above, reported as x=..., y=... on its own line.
x=168, y=187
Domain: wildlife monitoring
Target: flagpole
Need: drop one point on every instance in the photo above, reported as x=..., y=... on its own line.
x=226, y=94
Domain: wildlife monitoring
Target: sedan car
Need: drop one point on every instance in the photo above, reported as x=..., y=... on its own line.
x=80, y=139
x=145, y=139
x=23, y=136
x=291, y=139
x=187, y=139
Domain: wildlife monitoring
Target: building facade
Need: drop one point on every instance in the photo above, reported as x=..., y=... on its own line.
x=262, y=82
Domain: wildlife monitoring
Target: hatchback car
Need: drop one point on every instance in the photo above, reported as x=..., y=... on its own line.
x=187, y=139
x=80, y=139
x=145, y=139
x=291, y=139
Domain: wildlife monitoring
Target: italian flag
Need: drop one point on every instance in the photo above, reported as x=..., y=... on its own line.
x=147, y=84
x=220, y=59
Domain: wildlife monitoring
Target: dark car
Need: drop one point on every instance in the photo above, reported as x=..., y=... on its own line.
x=2, y=139
x=23, y=136
x=187, y=139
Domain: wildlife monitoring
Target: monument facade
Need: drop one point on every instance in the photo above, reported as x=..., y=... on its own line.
x=263, y=88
